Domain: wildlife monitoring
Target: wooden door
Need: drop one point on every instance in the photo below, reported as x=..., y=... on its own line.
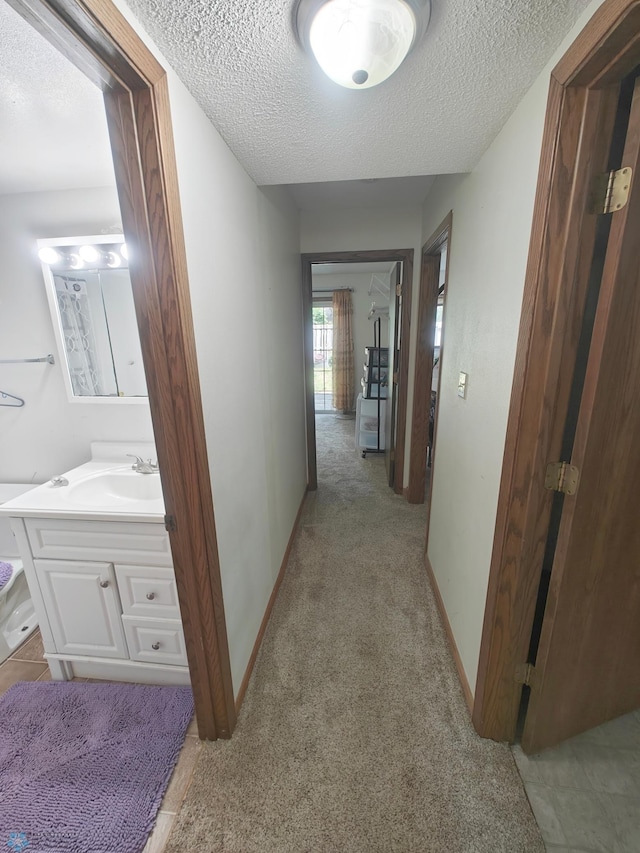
x=395, y=339
x=586, y=671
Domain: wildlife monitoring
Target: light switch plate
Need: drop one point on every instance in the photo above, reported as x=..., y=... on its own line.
x=462, y=385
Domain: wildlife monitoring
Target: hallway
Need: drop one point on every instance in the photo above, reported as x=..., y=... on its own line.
x=354, y=735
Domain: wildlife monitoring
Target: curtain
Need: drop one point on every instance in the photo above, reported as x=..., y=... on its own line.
x=79, y=340
x=343, y=375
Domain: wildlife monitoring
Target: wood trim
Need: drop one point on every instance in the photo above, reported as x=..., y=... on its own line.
x=310, y=403
x=97, y=38
x=576, y=139
x=442, y=610
x=405, y=256
x=606, y=50
x=431, y=250
x=267, y=613
x=403, y=374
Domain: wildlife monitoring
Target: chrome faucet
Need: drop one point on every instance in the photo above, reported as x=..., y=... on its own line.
x=143, y=467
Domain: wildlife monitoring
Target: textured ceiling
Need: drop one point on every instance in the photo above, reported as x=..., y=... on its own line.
x=288, y=123
x=372, y=192
x=54, y=130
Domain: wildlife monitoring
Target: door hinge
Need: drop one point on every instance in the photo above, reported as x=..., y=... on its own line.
x=399, y=289
x=169, y=523
x=562, y=477
x=525, y=673
x=610, y=190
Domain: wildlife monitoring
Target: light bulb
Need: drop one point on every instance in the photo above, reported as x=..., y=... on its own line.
x=113, y=259
x=89, y=254
x=124, y=251
x=359, y=43
x=75, y=261
x=49, y=255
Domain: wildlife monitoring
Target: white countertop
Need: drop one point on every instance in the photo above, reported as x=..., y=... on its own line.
x=49, y=501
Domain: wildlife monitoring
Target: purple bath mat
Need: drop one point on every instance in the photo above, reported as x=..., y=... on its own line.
x=84, y=767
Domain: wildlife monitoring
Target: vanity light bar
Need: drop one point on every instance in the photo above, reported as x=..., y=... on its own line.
x=77, y=257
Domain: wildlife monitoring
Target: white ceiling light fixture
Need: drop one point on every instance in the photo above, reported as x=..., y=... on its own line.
x=360, y=43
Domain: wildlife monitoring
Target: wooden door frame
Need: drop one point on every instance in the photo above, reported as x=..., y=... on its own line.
x=574, y=149
x=96, y=38
x=405, y=256
x=424, y=365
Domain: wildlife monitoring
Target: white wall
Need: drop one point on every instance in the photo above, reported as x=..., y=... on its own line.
x=488, y=254
x=49, y=435
x=361, y=301
x=244, y=275
x=242, y=246
x=366, y=229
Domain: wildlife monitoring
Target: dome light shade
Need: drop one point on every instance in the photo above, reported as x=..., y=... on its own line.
x=360, y=43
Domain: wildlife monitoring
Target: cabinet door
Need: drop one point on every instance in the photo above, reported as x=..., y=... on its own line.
x=83, y=606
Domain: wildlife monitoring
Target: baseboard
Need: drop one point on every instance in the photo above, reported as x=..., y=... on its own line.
x=466, y=689
x=267, y=612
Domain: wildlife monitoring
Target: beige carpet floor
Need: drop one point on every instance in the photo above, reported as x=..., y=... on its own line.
x=354, y=735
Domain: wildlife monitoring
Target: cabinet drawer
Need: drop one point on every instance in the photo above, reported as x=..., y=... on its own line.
x=114, y=541
x=155, y=640
x=148, y=591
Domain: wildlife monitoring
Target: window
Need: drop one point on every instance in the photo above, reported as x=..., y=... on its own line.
x=323, y=355
x=438, y=337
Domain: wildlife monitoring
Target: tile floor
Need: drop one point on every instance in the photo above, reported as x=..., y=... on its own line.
x=585, y=793
x=27, y=663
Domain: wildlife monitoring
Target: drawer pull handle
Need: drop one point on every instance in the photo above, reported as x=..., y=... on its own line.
x=151, y=596
x=104, y=584
x=155, y=646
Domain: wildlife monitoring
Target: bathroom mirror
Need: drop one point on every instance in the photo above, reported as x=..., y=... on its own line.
x=91, y=303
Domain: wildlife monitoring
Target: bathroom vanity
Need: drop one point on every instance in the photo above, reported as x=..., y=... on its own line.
x=98, y=563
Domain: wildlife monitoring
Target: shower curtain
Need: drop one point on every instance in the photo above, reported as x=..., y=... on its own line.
x=343, y=375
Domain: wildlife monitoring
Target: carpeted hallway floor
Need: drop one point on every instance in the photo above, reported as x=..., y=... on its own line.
x=354, y=735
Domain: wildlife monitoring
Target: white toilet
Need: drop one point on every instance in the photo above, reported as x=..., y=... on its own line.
x=17, y=614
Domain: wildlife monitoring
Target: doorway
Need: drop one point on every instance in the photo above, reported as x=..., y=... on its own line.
x=399, y=361
x=102, y=44
x=570, y=461
x=434, y=273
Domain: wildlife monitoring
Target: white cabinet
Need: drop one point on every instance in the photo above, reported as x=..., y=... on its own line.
x=114, y=541
x=106, y=598
x=367, y=423
x=83, y=607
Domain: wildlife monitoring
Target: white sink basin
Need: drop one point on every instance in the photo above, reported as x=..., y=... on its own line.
x=115, y=486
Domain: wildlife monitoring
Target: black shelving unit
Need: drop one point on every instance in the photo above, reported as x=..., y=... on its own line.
x=375, y=380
